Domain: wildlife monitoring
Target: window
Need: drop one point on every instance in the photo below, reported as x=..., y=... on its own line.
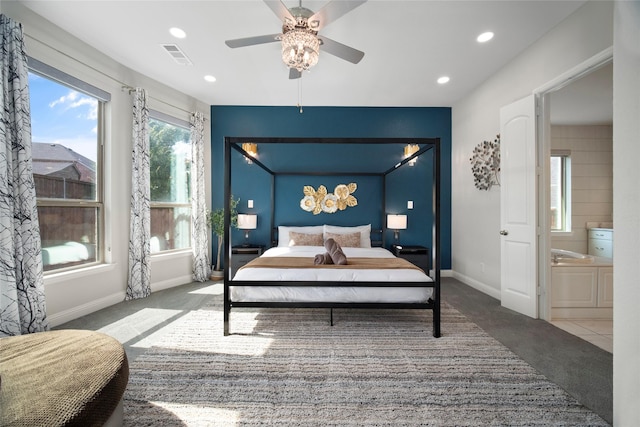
x=66, y=128
x=170, y=162
x=560, y=192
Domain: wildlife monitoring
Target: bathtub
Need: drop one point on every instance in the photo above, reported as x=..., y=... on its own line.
x=581, y=286
x=563, y=257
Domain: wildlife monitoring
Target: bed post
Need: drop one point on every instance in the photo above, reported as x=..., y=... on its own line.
x=227, y=231
x=437, y=256
x=436, y=311
x=227, y=309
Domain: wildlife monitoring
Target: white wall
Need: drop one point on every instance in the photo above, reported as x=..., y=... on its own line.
x=626, y=216
x=73, y=294
x=590, y=30
x=476, y=214
x=591, y=149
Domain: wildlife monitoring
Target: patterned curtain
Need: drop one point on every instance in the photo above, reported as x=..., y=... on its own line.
x=199, y=230
x=22, y=302
x=139, y=282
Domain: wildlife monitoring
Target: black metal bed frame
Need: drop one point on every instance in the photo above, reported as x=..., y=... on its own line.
x=428, y=145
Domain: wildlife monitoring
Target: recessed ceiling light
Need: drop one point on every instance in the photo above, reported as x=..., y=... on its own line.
x=485, y=37
x=444, y=79
x=177, y=33
x=210, y=78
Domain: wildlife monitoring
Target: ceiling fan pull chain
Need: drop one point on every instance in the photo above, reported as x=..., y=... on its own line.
x=300, y=95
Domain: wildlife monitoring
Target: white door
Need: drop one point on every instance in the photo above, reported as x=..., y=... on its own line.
x=518, y=206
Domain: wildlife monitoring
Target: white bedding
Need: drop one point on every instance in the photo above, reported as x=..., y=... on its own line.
x=330, y=294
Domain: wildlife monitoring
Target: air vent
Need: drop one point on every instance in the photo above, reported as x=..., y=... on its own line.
x=177, y=54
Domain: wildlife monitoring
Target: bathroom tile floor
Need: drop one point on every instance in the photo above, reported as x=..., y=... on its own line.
x=598, y=332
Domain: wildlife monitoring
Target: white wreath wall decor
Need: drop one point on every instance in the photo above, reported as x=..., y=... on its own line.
x=485, y=164
x=320, y=200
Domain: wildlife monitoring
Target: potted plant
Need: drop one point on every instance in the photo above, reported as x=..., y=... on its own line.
x=215, y=220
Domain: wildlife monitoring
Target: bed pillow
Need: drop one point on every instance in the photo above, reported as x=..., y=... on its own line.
x=335, y=251
x=364, y=230
x=304, y=239
x=283, y=233
x=350, y=240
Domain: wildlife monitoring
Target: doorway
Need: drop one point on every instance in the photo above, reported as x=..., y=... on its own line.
x=576, y=126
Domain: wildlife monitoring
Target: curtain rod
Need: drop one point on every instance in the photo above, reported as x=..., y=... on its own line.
x=125, y=86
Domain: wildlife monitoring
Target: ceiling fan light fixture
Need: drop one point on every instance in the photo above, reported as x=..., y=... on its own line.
x=300, y=49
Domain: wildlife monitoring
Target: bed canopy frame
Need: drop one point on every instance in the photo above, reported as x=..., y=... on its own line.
x=428, y=146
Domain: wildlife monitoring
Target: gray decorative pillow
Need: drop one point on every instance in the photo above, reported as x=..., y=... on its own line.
x=304, y=239
x=349, y=240
x=335, y=251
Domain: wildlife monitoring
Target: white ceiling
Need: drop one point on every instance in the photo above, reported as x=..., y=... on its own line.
x=407, y=45
x=588, y=100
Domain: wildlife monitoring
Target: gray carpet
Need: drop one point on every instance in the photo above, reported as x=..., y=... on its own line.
x=289, y=367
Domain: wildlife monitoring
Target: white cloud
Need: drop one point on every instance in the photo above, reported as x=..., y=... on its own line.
x=71, y=96
x=75, y=100
x=92, y=114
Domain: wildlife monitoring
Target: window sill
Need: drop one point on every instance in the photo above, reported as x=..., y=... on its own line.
x=177, y=253
x=64, y=276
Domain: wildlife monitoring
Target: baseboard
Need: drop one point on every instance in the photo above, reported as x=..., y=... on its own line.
x=482, y=287
x=84, y=309
x=171, y=283
x=93, y=306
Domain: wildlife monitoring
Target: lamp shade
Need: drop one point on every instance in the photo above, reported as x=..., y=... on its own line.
x=251, y=148
x=397, y=222
x=247, y=221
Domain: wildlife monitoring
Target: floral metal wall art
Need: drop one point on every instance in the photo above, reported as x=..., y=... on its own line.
x=485, y=164
x=320, y=200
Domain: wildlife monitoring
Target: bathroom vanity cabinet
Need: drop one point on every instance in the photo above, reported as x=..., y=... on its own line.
x=601, y=242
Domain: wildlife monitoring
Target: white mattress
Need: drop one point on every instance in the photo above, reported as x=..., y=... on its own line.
x=330, y=294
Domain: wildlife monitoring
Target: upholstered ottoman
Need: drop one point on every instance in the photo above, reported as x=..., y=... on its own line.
x=65, y=377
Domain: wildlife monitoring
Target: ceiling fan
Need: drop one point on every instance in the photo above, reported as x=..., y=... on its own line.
x=300, y=40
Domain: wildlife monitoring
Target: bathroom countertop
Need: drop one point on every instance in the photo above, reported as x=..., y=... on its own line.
x=597, y=262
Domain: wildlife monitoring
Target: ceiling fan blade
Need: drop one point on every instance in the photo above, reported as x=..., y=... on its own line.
x=280, y=10
x=332, y=11
x=250, y=41
x=341, y=50
x=294, y=74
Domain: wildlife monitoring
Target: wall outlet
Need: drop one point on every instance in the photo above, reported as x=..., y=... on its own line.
x=250, y=204
x=410, y=204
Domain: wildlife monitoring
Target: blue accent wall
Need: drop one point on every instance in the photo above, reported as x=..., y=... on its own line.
x=414, y=183
x=369, y=196
x=251, y=182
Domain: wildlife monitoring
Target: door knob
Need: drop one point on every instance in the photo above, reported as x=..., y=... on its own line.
x=504, y=232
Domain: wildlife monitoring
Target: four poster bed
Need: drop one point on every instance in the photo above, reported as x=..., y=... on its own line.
x=372, y=277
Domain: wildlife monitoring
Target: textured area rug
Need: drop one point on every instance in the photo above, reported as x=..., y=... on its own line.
x=372, y=368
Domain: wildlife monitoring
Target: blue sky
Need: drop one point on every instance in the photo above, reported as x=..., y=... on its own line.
x=63, y=116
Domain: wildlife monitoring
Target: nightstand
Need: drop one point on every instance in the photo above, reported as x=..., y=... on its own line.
x=240, y=255
x=417, y=255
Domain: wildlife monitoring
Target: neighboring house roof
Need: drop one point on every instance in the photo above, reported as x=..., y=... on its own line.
x=43, y=167
x=56, y=159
